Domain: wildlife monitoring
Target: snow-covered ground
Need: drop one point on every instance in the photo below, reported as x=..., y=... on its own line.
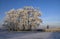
x=34, y=36
x=29, y=35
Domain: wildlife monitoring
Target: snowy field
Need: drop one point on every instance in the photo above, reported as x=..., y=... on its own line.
x=29, y=35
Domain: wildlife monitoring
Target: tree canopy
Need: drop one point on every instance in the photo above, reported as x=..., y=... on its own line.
x=25, y=18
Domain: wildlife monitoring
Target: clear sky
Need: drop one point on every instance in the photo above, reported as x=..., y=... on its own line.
x=50, y=9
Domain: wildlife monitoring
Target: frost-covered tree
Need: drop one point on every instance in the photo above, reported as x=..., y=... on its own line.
x=25, y=18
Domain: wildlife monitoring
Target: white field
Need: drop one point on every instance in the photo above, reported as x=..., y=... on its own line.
x=30, y=35
x=33, y=36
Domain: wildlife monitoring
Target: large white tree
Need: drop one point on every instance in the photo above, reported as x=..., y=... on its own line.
x=25, y=18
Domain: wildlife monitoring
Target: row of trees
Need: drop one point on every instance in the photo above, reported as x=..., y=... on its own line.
x=26, y=18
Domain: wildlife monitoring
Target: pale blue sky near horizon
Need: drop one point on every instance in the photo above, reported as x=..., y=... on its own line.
x=50, y=9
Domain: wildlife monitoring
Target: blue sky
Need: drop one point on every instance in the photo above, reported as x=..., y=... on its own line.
x=50, y=9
